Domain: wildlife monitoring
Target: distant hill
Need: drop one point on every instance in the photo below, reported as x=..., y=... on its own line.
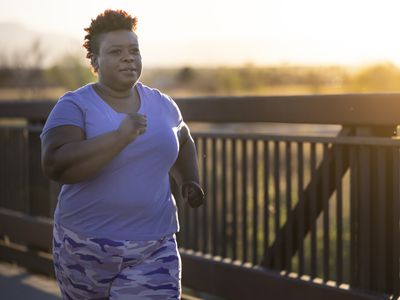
x=17, y=40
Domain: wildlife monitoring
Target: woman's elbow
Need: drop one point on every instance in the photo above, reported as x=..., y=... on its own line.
x=61, y=174
x=49, y=168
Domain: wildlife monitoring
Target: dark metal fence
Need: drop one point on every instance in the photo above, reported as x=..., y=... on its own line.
x=288, y=216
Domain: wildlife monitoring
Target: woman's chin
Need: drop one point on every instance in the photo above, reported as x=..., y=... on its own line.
x=127, y=82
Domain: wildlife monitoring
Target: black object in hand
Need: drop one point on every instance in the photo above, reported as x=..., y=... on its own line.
x=192, y=193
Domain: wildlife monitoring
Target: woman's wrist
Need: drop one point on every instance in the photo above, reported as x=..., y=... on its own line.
x=192, y=192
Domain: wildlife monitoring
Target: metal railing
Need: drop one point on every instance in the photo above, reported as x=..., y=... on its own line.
x=287, y=215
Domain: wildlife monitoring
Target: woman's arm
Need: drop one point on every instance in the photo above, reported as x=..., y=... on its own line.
x=67, y=157
x=185, y=171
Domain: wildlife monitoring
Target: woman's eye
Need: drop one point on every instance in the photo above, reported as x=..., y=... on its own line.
x=116, y=51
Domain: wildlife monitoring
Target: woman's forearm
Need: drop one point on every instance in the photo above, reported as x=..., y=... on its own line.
x=186, y=174
x=79, y=161
x=186, y=166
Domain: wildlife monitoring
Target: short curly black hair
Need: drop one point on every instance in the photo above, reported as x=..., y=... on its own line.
x=109, y=20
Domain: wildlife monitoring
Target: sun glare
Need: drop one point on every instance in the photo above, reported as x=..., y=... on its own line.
x=236, y=32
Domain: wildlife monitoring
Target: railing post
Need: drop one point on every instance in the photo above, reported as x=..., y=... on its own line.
x=13, y=173
x=373, y=231
x=39, y=194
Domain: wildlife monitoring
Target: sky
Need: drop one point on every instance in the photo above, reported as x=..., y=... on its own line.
x=234, y=32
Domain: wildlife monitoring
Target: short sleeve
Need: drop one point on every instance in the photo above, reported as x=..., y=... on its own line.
x=176, y=113
x=65, y=112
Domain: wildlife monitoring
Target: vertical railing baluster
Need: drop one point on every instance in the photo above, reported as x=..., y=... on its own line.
x=278, y=262
x=207, y=203
x=289, y=233
x=224, y=211
x=395, y=223
x=380, y=227
x=19, y=189
x=244, y=200
x=25, y=171
x=365, y=220
x=11, y=167
x=196, y=216
x=313, y=212
x=234, y=199
x=339, y=213
x=266, y=200
x=186, y=225
x=325, y=195
x=214, y=229
x=300, y=184
x=354, y=242
x=255, y=202
x=3, y=170
x=187, y=239
x=8, y=165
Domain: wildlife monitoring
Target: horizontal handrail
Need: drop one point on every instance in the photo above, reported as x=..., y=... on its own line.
x=346, y=109
x=24, y=228
x=344, y=140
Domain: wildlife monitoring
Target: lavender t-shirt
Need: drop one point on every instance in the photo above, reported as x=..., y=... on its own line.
x=130, y=198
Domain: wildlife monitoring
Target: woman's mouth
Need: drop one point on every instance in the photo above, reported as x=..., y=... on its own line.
x=127, y=70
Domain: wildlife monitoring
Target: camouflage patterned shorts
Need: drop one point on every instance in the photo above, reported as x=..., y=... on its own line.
x=98, y=268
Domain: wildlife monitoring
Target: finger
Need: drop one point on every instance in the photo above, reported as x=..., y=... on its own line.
x=140, y=126
x=136, y=118
x=139, y=116
x=132, y=116
x=140, y=122
x=140, y=131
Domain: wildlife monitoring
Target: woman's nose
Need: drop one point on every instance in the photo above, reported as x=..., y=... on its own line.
x=129, y=57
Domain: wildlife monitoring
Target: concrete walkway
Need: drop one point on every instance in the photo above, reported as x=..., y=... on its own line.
x=16, y=283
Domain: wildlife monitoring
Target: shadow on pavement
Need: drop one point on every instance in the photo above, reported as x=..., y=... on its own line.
x=16, y=283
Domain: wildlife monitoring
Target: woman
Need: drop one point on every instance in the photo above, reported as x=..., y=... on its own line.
x=112, y=144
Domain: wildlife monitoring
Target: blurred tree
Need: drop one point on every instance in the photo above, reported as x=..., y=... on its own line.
x=186, y=75
x=69, y=72
x=22, y=71
x=250, y=77
x=228, y=80
x=384, y=77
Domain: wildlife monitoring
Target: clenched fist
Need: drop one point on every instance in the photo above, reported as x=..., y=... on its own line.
x=192, y=193
x=132, y=126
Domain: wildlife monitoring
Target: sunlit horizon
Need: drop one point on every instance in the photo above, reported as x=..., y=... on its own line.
x=234, y=33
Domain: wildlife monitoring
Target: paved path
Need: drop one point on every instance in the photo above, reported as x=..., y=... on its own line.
x=16, y=283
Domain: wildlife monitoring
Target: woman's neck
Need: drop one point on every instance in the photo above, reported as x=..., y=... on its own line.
x=114, y=93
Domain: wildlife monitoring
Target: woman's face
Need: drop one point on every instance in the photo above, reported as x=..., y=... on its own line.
x=119, y=61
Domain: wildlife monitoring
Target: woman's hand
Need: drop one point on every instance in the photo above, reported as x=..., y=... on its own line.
x=132, y=126
x=192, y=193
